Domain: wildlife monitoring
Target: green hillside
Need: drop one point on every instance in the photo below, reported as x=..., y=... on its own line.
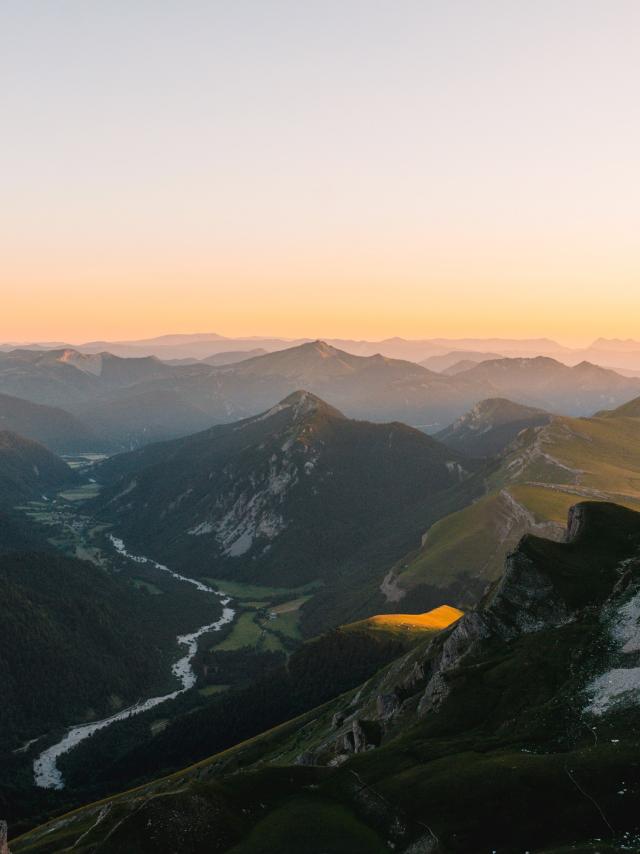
x=541, y=475
x=509, y=732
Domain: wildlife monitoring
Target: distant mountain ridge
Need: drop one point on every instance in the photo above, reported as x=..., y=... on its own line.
x=201, y=345
x=128, y=402
x=547, y=383
x=614, y=353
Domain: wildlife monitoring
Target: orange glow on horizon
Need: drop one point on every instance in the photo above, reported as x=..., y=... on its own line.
x=314, y=171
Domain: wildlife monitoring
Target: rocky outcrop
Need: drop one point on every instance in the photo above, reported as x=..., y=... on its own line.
x=575, y=522
x=525, y=600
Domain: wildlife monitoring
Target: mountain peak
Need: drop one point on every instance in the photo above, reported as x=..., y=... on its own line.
x=304, y=403
x=321, y=347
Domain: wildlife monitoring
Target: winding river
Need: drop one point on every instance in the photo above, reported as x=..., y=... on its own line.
x=46, y=773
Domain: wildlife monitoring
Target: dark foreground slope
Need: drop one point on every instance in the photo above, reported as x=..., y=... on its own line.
x=72, y=642
x=516, y=730
x=28, y=470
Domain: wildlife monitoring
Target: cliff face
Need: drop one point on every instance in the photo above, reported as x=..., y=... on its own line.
x=532, y=701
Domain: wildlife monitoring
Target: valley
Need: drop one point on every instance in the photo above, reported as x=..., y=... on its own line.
x=46, y=772
x=234, y=582
x=256, y=622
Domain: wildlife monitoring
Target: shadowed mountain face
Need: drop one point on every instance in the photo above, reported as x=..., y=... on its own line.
x=467, y=743
x=290, y=496
x=75, y=643
x=56, y=429
x=490, y=426
x=28, y=470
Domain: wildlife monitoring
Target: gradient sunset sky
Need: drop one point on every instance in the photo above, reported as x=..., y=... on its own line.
x=320, y=168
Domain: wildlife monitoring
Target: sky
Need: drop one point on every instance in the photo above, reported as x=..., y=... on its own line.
x=321, y=168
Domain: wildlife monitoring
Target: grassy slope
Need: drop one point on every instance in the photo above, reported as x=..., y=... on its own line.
x=551, y=469
x=431, y=621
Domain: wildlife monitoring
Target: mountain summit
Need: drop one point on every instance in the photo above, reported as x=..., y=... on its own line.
x=287, y=497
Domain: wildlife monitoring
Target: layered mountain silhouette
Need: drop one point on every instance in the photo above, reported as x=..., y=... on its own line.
x=127, y=402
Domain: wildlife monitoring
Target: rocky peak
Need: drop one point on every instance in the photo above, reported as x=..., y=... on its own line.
x=300, y=406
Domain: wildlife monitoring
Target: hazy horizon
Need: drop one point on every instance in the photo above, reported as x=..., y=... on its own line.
x=572, y=343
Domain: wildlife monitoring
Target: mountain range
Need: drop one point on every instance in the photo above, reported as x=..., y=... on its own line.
x=126, y=402
x=614, y=353
x=295, y=495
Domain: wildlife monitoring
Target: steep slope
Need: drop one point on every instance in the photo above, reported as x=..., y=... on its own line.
x=72, y=642
x=314, y=673
x=548, y=384
x=28, y=470
x=58, y=430
x=297, y=494
x=490, y=426
x=539, y=477
x=467, y=743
